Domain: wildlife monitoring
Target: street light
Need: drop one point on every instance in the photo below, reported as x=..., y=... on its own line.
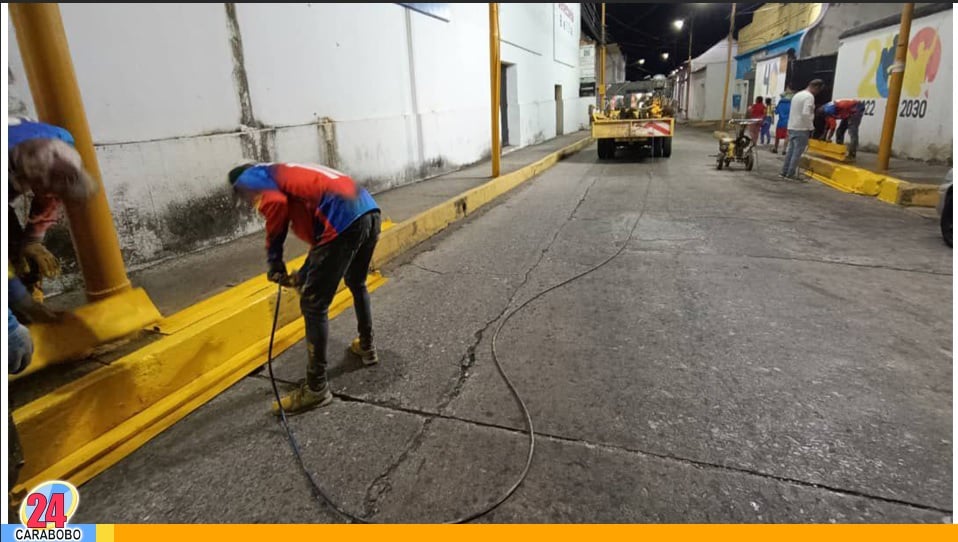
x=641, y=61
x=678, y=24
x=665, y=56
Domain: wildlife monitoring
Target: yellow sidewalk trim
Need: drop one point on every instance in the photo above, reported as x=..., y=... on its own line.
x=832, y=151
x=81, y=428
x=89, y=326
x=856, y=180
x=901, y=192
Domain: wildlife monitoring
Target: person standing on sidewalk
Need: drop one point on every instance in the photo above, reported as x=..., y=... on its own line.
x=849, y=114
x=801, y=119
x=756, y=112
x=782, y=110
x=765, y=137
x=341, y=223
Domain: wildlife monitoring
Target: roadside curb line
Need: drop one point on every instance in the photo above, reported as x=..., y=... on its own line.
x=855, y=180
x=417, y=229
x=82, y=428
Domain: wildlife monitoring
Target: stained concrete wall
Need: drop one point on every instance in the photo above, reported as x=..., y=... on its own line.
x=387, y=94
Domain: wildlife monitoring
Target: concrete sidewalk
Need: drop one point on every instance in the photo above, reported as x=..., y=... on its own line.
x=913, y=171
x=177, y=283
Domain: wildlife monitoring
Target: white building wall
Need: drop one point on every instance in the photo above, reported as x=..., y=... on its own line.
x=923, y=129
x=706, y=94
x=529, y=42
x=172, y=106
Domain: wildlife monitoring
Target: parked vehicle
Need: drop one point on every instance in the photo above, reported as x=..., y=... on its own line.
x=944, y=208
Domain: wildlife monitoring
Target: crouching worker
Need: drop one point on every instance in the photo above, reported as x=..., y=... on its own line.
x=44, y=168
x=341, y=223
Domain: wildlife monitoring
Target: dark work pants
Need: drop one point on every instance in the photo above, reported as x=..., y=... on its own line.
x=345, y=258
x=851, y=126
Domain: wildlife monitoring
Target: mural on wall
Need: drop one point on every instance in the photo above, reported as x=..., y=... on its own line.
x=921, y=69
x=770, y=77
x=924, y=112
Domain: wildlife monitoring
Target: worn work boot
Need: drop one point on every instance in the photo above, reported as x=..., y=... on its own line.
x=304, y=398
x=366, y=353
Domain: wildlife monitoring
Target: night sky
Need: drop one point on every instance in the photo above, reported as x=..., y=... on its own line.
x=645, y=30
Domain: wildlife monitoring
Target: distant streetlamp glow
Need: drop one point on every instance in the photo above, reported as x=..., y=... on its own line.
x=678, y=24
x=641, y=61
x=665, y=56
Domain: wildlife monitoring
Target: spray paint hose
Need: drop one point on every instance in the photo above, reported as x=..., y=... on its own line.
x=317, y=488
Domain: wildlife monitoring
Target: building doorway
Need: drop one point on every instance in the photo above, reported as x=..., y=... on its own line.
x=508, y=110
x=559, y=113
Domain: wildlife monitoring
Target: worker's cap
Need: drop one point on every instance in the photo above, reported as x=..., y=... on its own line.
x=51, y=166
x=235, y=173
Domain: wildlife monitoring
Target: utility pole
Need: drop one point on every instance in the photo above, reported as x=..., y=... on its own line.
x=602, y=64
x=894, y=88
x=728, y=67
x=495, y=75
x=688, y=74
x=56, y=94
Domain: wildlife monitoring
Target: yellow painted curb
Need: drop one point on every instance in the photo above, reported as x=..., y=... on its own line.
x=93, y=324
x=843, y=177
x=899, y=192
x=832, y=151
x=82, y=428
x=87, y=425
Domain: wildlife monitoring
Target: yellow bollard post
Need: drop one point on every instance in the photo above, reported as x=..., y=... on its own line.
x=602, y=64
x=894, y=88
x=495, y=75
x=53, y=84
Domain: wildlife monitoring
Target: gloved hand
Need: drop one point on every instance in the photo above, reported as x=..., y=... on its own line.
x=41, y=259
x=34, y=312
x=292, y=280
x=20, y=346
x=277, y=273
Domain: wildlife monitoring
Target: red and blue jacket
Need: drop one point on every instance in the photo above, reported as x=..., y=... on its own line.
x=319, y=203
x=843, y=109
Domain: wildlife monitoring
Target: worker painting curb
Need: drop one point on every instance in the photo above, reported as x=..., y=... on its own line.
x=203, y=350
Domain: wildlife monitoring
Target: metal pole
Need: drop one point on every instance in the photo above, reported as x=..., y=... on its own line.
x=495, y=75
x=728, y=67
x=688, y=75
x=53, y=84
x=894, y=88
x=602, y=64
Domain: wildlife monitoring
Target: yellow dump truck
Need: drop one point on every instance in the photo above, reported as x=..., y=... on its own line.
x=644, y=122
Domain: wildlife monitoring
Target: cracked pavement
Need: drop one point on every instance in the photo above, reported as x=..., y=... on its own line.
x=759, y=351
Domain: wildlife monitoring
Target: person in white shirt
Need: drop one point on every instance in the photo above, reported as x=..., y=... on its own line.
x=801, y=120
